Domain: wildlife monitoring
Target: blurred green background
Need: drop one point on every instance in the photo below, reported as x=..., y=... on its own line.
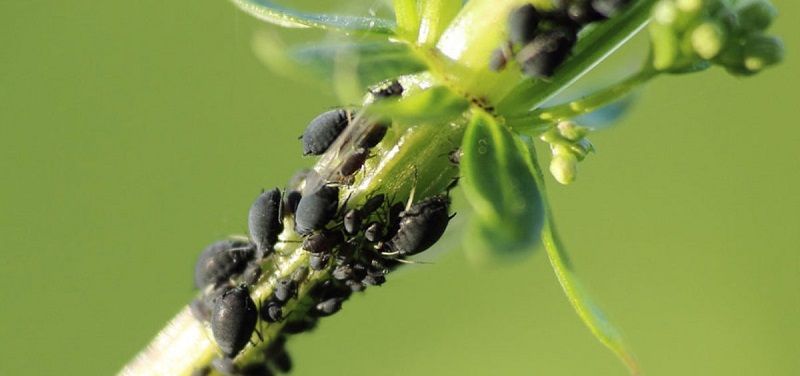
x=134, y=133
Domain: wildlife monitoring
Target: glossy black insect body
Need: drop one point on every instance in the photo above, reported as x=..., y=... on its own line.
x=545, y=54
x=315, y=210
x=264, y=220
x=272, y=311
x=373, y=135
x=318, y=261
x=329, y=306
x=421, y=226
x=282, y=361
x=342, y=272
x=374, y=280
x=285, y=290
x=323, y=130
x=291, y=201
x=522, y=24
x=220, y=261
x=373, y=232
x=352, y=221
x=233, y=320
x=322, y=241
x=354, y=162
x=372, y=204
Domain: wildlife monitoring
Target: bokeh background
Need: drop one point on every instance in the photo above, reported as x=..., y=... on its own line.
x=134, y=133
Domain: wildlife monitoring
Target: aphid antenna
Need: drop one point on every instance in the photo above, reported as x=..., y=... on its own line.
x=413, y=262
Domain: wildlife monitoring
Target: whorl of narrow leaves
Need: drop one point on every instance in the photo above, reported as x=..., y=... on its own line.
x=452, y=94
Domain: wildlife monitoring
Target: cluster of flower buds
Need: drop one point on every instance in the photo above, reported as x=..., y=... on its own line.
x=568, y=145
x=689, y=35
x=540, y=40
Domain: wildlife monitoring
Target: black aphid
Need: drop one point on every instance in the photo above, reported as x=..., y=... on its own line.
x=220, y=261
x=299, y=326
x=233, y=320
x=200, y=310
x=522, y=24
x=353, y=162
x=264, y=220
x=545, y=54
x=342, y=272
x=373, y=232
x=318, y=261
x=282, y=361
x=372, y=204
x=323, y=130
x=329, y=306
x=579, y=11
x=315, y=210
x=373, y=135
x=394, y=219
x=285, y=289
x=390, y=89
x=300, y=274
x=352, y=221
x=354, y=285
x=272, y=311
x=374, y=280
x=322, y=241
x=421, y=226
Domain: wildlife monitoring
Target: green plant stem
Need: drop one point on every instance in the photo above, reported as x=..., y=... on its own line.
x=539, y=120
x=410, y=157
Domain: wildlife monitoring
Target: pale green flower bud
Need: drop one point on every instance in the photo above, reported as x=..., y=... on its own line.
x=761, y=51
x=756, y=15
x=708, y=39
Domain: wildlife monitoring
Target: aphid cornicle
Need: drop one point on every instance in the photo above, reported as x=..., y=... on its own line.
x=421, y=226
x=323, y=130
x=233, y=320
x=220, y=261
x=522, y=24
x=315, y=210
x=264, y=220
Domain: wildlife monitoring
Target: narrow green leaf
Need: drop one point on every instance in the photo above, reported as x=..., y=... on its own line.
x=356, y=65
x=435, y=104
x=584, y=306
x=268, y=11
x=435, y=15
x=499, y=185
x=407, y=18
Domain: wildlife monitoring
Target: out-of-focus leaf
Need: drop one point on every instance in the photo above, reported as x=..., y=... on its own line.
x=434, y=104
x=499, y=185
x=584, y=306
x=406, y=16
x=275, y=14
x=435, y=15
x=357, y=65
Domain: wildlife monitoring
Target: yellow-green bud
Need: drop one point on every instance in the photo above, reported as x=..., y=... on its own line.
x=689, y=6
x=707, y=40
x=564, y=168
x=665, y=12
x=665, y=46
x=572, y=131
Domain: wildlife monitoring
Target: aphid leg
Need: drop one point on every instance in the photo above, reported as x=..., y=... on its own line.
x=413, y=190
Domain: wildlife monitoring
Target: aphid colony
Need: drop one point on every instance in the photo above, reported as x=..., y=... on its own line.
x=356, y=245
x=541, y=40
